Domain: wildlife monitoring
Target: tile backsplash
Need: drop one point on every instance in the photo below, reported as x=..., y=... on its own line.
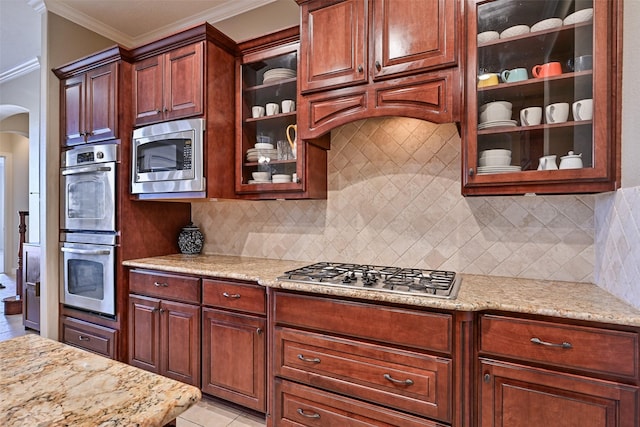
x=394, y=199
x=617, y=267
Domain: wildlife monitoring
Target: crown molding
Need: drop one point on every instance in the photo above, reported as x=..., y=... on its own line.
x=224, y=11
x=20, y=70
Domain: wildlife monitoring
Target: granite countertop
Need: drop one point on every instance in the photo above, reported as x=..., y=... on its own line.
x=581, y=301
x=44, y=382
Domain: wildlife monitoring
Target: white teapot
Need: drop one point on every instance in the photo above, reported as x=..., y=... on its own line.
x=571, y=161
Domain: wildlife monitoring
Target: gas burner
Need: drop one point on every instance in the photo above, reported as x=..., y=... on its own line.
x=410, y=281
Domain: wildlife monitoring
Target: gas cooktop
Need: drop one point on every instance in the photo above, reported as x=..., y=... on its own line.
x=407, y=281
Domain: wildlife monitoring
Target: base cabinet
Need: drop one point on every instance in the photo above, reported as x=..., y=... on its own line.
x=234, y=339
x=88, y=336
x=537, y=372
x=164, y=334
x=519, y=396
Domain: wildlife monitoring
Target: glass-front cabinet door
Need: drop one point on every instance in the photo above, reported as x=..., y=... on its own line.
x=269, y=153
x=542, y=97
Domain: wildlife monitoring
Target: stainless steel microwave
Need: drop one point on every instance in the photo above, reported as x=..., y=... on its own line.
x=168, y=157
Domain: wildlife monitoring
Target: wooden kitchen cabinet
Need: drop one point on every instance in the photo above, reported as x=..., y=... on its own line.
x=31, y=286
x=535, y=372
x=164, y=335
x=234, y=329
x=302, y=162
x=399, y=360
x=169, y=86
x=365, y=58
x=595, y=138
x=88, y=105
x=89, y=336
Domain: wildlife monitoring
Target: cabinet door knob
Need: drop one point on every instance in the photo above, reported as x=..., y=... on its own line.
x=378, y=66
x=259, y=331
x=471, y=172
x=360, y=68
x=487, y=378
x=166, y=110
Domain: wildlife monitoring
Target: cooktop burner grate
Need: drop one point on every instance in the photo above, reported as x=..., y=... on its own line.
x=411, y=281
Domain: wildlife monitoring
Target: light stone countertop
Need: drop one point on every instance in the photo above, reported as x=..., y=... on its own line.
x=581, y=301
x=47, y=383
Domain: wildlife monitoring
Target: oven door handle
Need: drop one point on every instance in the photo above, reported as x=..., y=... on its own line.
x=86, y=251
x=87, y=169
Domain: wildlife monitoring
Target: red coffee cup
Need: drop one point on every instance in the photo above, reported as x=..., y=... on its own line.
x=547, y=70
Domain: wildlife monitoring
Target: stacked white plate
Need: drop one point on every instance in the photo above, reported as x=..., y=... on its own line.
x=254, y=154
x=276, y=74
x=483, y=170
x=280, y=178
x=253, y=181
x=497, y=123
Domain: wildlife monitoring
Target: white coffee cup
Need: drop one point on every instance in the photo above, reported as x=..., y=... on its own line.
x=257, y=111
x=272, y=108
x=531, y=116
x=583, y=109
x=557, y=113
x=288, y=106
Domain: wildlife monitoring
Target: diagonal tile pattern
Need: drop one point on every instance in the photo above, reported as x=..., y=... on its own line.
x=617, y=267
x=394, y=199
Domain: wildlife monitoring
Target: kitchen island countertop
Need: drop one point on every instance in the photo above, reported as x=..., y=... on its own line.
x=571, y=300
x=47, y=383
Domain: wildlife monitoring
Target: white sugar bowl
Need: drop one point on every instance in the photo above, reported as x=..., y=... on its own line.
x=571, y=161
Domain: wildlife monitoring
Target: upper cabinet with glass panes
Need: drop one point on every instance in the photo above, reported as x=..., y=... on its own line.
x=542, y=97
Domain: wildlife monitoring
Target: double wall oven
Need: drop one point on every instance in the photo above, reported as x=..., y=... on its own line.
x=88, y=227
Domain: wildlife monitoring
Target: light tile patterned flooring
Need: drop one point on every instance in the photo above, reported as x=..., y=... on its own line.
x=206, y=413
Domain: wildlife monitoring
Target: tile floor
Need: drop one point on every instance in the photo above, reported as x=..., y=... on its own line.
x=206, y=413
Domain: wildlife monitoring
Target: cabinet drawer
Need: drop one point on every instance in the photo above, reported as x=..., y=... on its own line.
x=235, y=296
x=298, y=405
x=411, y=328
x=576, y=347
x=88, y=336
x=170, y=286
x=405, y=380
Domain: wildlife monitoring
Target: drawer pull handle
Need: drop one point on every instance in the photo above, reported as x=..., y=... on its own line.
x=228, y=295
x=311, y=415
x=550, y=344
x=83, y=338
x=160, y=285
x=393, y=380
x=306, y=359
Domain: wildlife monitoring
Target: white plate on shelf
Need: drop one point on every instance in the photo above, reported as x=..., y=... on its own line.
x=278, y=74
x=482, y=170
x=497, y=123
x=579, y=16
x=253, y=181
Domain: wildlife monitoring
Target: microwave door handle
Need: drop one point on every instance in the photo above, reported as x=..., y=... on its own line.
x=86, y=251
x=89, y=169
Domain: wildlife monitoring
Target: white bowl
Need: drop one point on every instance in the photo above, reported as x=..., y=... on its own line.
x=495, y=152
x=497, y=112
x=487, y=36
x=260, y=176
x=546, y=24
x=516, y=30
x=505, y=104
x=494, y=161
x=579, y=16
x=263, y=146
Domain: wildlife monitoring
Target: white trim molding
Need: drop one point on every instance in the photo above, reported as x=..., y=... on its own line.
x=20, y=70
